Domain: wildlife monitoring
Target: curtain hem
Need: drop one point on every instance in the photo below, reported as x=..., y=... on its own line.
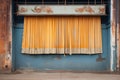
x=61, y=51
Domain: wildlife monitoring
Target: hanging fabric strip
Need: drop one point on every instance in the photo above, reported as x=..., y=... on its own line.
x=62, y=35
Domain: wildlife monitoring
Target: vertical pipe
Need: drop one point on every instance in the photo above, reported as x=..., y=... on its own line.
x=117, y=34
x=112, y=31
x=58, y=2
x=13, y=58
x=10, y=33
x=88, y=2
x=42, y=2
x=65, y=2
x=101, y=1
x=73, y=2
x=95, y=2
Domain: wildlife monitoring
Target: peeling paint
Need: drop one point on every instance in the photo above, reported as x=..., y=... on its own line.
x=113, y=34
x=100, y=58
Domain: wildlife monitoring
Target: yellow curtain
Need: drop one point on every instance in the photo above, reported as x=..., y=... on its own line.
x=62, y=35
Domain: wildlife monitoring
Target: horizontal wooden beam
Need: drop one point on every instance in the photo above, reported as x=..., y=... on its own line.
x=31, y=10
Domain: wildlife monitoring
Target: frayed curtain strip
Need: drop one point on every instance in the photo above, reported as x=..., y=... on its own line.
x=61, y=51
x=61, y=35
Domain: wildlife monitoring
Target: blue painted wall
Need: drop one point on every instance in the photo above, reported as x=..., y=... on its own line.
x=59, y=62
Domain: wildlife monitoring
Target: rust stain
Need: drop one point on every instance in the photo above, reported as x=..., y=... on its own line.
x=119, y=44
x=5, y=56
x=58, y=57
x=113, y=28
x=85, y=9
x=39, y=9
x=101, y=10
x=5, y=61
x=22, y=10
x=1, y=61
x=113, y=23
x=2, y=47
x=90, y=10
x=100, y=58
x=118, y=40
x=79, y=10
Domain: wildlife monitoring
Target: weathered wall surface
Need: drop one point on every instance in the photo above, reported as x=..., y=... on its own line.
x=60, y=62
x=118, y=35
x=4, y=35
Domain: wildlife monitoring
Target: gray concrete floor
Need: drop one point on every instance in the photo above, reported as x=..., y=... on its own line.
x=29, y=75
